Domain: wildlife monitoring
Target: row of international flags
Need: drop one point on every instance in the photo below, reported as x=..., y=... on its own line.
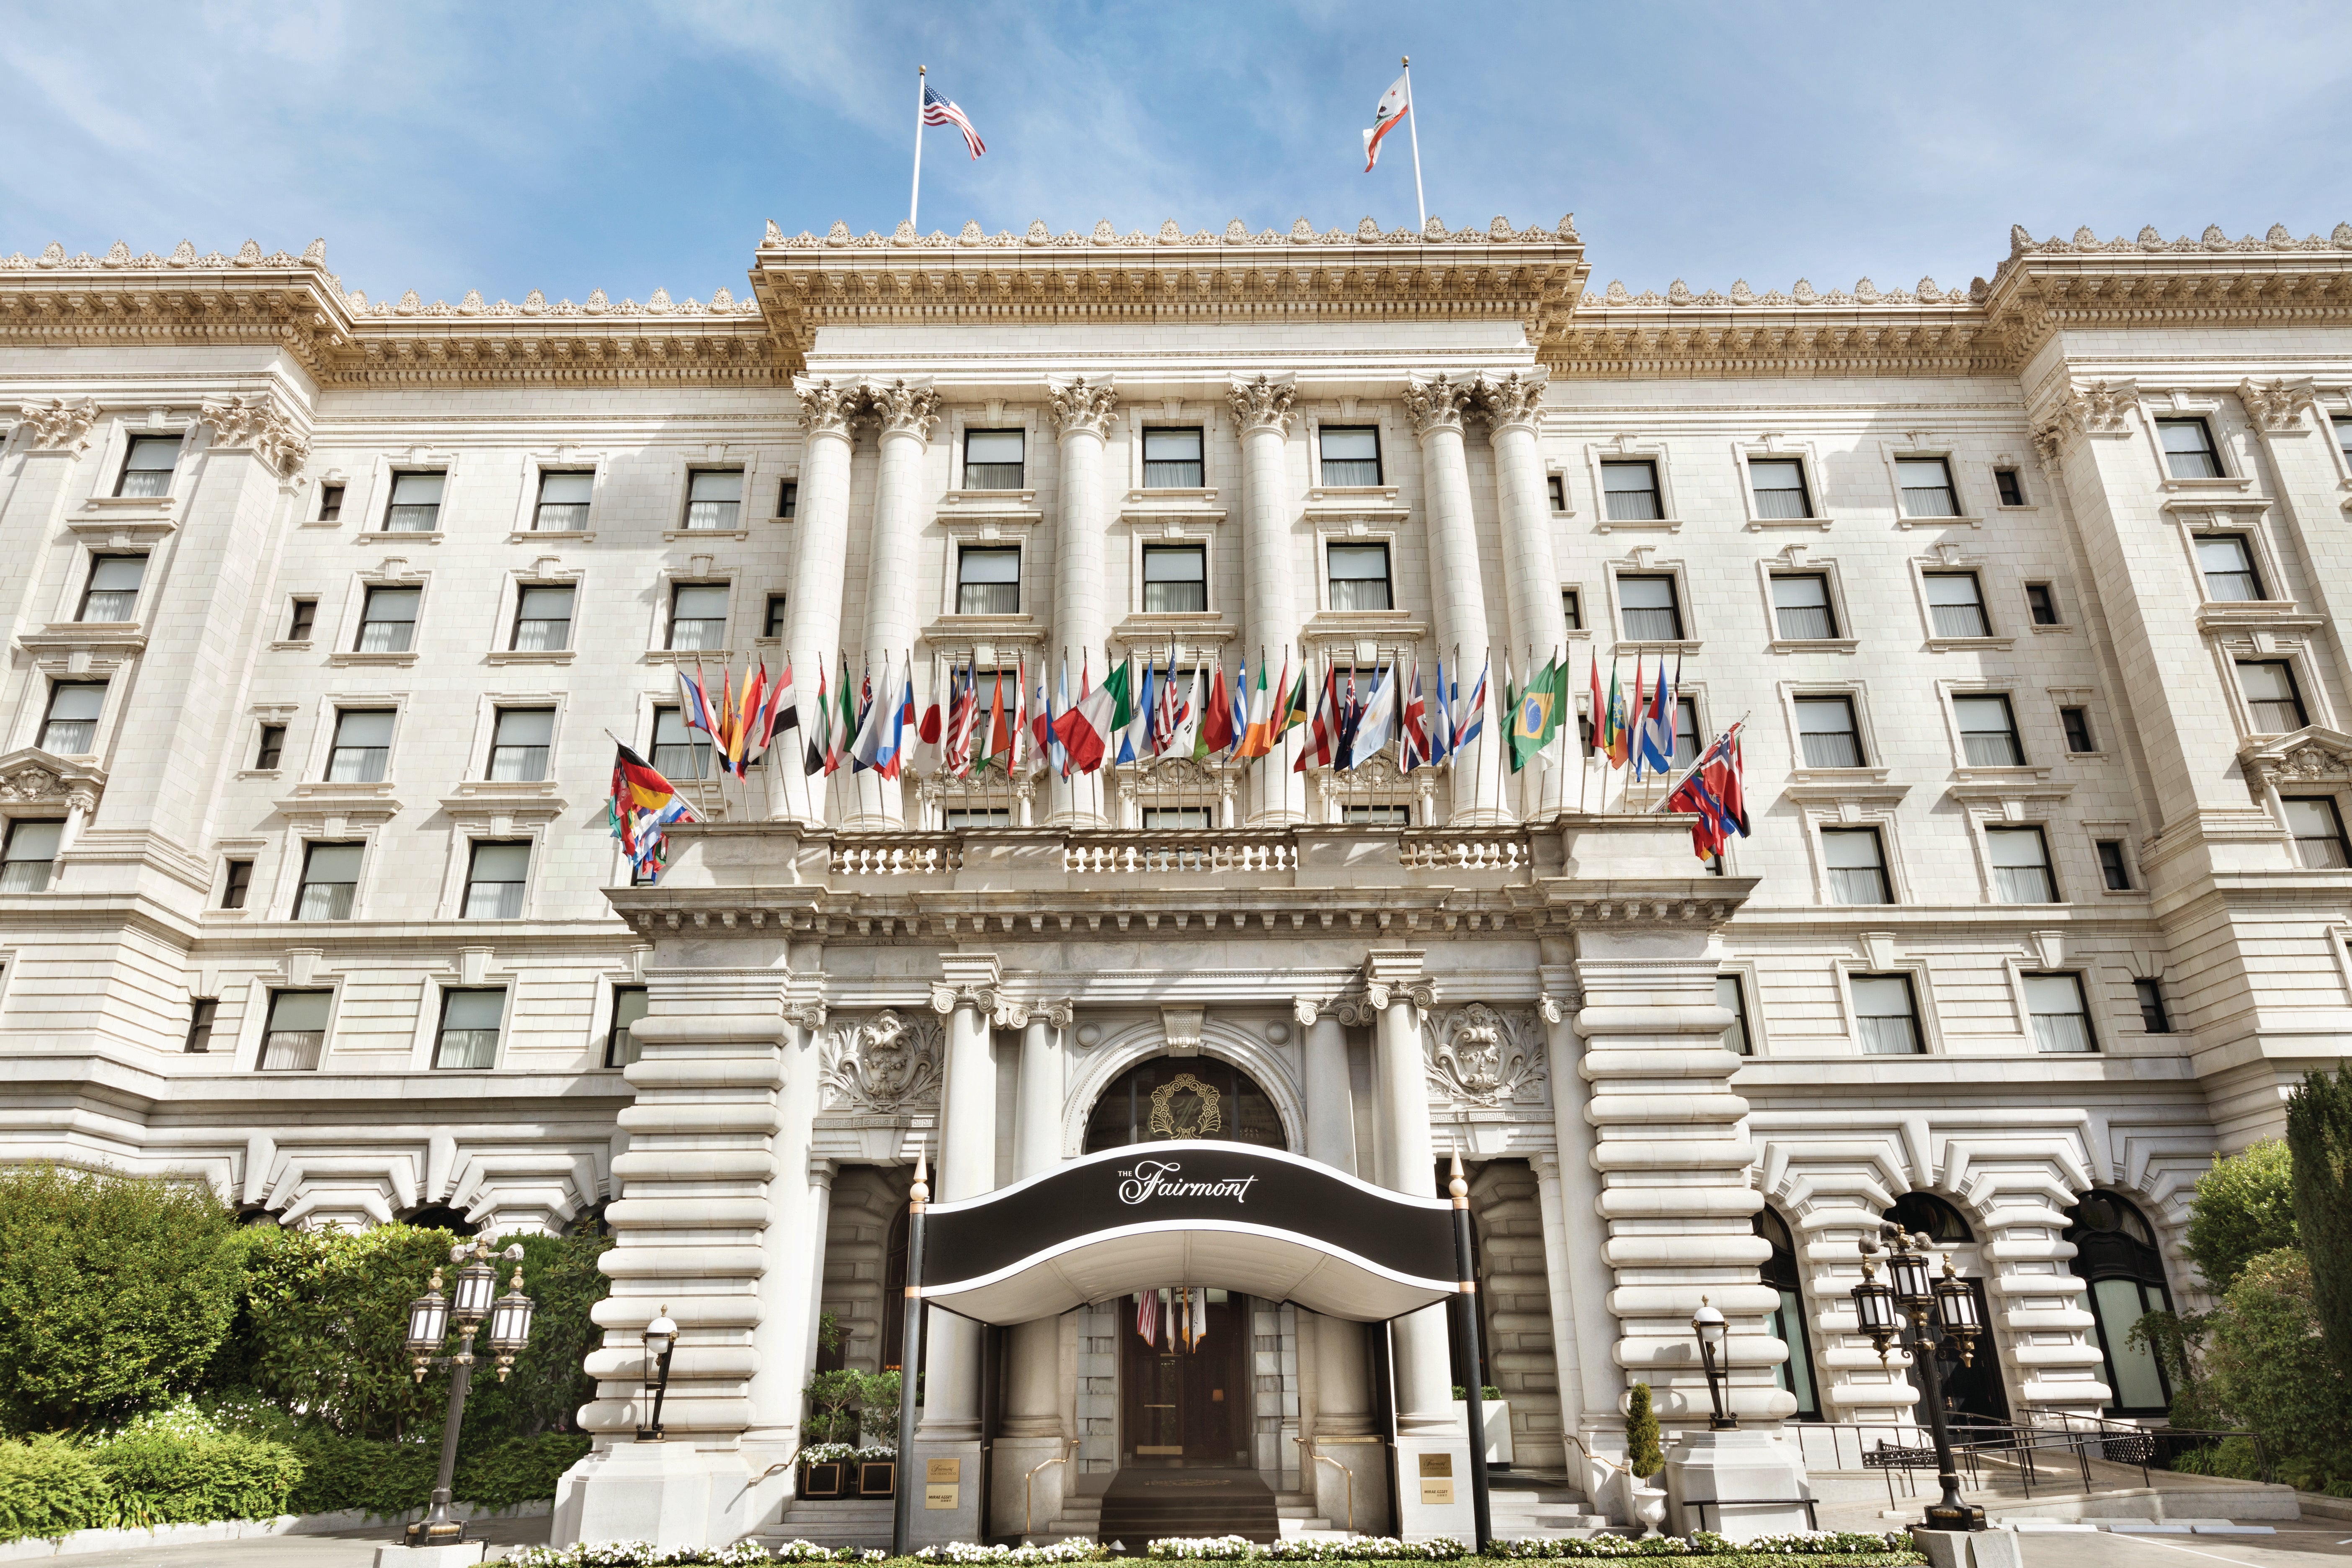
x=1182, y=1314
x=984, y=723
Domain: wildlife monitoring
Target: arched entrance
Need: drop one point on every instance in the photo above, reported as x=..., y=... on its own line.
x=2116, y=1254
x=1969, y=1391
x=1781, y=1273
x=1183, y=1097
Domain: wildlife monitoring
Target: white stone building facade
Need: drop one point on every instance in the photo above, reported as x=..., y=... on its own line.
x=323, y=614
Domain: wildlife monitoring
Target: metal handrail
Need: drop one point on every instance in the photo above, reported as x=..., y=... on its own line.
x=1307, y=1444
x=1029, y=1487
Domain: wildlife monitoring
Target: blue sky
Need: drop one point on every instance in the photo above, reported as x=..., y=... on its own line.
x=507, y=147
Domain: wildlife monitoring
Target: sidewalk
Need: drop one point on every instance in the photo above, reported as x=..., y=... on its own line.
x=352, y=1549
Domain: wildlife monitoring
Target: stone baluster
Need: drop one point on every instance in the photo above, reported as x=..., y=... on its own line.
x=1081, y=411
x=903, y=413
x=1262, y=411
x=820, y=563
x=1436, y=407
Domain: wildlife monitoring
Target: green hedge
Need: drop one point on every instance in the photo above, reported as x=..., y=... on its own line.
x=48, y=1487
x=389, y=1478
x=743, y=1554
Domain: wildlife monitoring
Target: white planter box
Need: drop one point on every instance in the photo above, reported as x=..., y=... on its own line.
x=1498, y=1428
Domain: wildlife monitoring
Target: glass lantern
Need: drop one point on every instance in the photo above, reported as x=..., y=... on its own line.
x=428, y=1325
x=510, y=1325
x=1955, y=1305
x=1709, y=1325
x=1875, y=1311
x=659, y=1335
x=478, y=1284
x=1908, y=1270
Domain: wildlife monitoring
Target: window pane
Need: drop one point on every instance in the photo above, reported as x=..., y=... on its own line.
x=988, y=582
x=1171, y=459
x=1651, y=612
x=1685, y=732
x=526, y=726
x=1796, y=1374
x=31, y=847
x=77, y=699
x=1988, y=734
x=1727, y=996
x=501, y=862
x=2113, y=871
x=469, y=1029
x=2021, y=863
x=1803, y=607
x=1856, y=867
x=2077, y=725
x=332, y=863
x=1825, y=728
x=300, y=1009
x=2228, y=567
x=1956, y=606
x=629, y=1005
x=416, y=490
x=388, y=620
x=1779, y=488
x=2188, y=450
x=1350, y=456
x=1175, y=580
x=114, y=573
x=2060, y=1023
x=992, y=447
x=990, y=565
x=1882, y=1011
x=364, y=727
x=71, y=727
x=2275, y=706
x=1927, y=488
x=568, y=489
x=716, y=484
x=473, y=1009
x=2118, y=1305
x=1630, y=491
x=702, y=600
x=2318, y=831
x=147, y=468
x=1359, y=578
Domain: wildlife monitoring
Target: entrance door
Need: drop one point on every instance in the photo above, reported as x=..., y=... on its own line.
x=1186, y=1405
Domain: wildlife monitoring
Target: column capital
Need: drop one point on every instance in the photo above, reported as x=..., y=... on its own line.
x=827, y=409
x=2279, y=406
x=60, y=425
x=1437, y=403
x=903, y=408
x=257, y=425
x=1394, y=976
x=1080, y=407
x=1262, y=403
x=1515, y=399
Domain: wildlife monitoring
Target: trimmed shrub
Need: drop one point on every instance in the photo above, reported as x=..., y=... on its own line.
x=547, y=1387
x=176, y=1467
x=328, y=1315
x=2319, y=1134
x=2244, y=1206
x=48, y=1487
x=1643, y=1455
x=515, y=1469
x=115, y=1292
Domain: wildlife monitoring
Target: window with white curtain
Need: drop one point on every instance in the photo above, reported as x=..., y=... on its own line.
x=1885, y=1015
x=1801, y=607
x=114, y=589
x=2188, y=450
x=1955, y=605
x=519, y=742
x=564, y=498
x=331, y=881
x=494, y=881
x=388, y=620
x=1780, y=485
x=470, y=1028
x=988, y=580
x=69, y=728
x=2020, y=865
x=1359, y=578
x=1729, y=997
x=147, y=466
x=2228, y=567
x=1987, y=731
x=1826, y=730
x=1652, y=613
x=714, y=498
x=2273, y=702
x=542, y=617
x=1350, y=454
x=296, y=1030
x=415, y=504
x=1171, y=459
x=2062, y=1024
x=1857, y=866
x=28, y=853
x=1926, y=487
x=992, y=460
x=1629, y=489
x=1175, y=579
x=629, y=1007
x=2318, y=830
x=680, y=752
x=697, y=616
x=361, y=752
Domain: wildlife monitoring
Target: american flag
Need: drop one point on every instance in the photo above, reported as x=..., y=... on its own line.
x=938, y=110
x=1146, y=1315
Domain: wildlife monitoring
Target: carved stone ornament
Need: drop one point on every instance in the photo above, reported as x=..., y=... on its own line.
x=1262, y=403
x=1082, y=406
x=809, y=1015
x=1381, y=995
x=1175, y=778
x=1513, y=399
x=883, y=1065
x=31, y=783
x=2050, y=444
x=255, y=425
x=2316, y=760
x=827, y=409
x=60, y=425
x=947, y=998
x=1437, y=403
x=2099, y=408
x=1198, y=1118
x=2279, y=406
x=904, y=410
x=1481, y=1056
x=1305, y=1009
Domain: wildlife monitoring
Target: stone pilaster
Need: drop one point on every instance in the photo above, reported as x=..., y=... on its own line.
x=903, y=413
x=1081, y=411
x=1261, y=410
x=1436, y=407
x=820, y=562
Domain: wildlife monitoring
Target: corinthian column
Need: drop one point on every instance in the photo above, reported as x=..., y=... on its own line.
x=819, y=561
x=904, y=414
x=1262, y=408
x=1082, y=412
x=1436, y=408
x=1514, y=404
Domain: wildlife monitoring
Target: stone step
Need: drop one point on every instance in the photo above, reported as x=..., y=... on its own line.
x=1294, y=1527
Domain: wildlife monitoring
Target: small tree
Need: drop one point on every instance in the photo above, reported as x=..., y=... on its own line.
x=2319, y=1133
x=878, y=1397
x=1643, y=1454
x=2244, y=1206
x=2269, y=1369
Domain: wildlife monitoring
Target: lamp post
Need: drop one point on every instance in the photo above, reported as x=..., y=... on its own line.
x=661, y=1339
x=1709, y=1325
x=428, y=1327
x=1938, y=1312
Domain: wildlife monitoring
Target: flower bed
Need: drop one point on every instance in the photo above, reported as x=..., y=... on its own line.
x=1827, y=1549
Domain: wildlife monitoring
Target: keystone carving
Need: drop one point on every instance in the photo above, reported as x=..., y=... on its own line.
x=826, y=409
x=1262, y=403
x=1480, y=1056
x=2279, y=406
x=883, y=1065
x=255, y=425
x=1082, y=406
x=60, y=425
x=1437, y=403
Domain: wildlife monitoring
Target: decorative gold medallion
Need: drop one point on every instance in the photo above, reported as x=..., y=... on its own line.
x=1163, y=1116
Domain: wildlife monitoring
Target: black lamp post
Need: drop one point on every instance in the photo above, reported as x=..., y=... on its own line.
x=661, y=1339
x=1709, y=1325
x=1939, y=1312
x=428, y=1328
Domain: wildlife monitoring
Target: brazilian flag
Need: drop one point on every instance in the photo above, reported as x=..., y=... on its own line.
x=1534, y=713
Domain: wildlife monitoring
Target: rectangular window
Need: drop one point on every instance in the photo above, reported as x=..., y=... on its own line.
x=1987, y=732
x=1172, y=460
x=1370, y=816
x=620, y=1047
x=2042, y=605
x=1857, y=866
x=415, y=505
x=697, y=616
x=1926, y=487
x=679, y=751
x=304, y=617
x=1351, y=455
x=236, y=884
x=2318, y=829
x=2189, y=451
x=992, y=460
x=2344, y=435
x=469, y=1029
x=519, y=744
x=330, y=502
x=1653, y=613
x=956, y=817
x=1571, y=608
x=1885, y=1015
x=330, y=880
x=1175, y=579
x=1556, y=487
x=147, y=466
x=2114, y=869
x=564, y=496
x=1685, y=732
x=2152, y=1015
x=2077, y=722
x=1629, y=491
x=494, y=882
x=28, y=853
x=2228, y=567
x=773, y=625
x=1175, y=819
x=2020, y=865
x=1359, y=578
x=542, y=617
x=2062, y=1023
x=1779, y=484
x=2011, y=487
x=114, y=590
x=388, y=620
x=71, y=727
x=1728, y=996
x=1801, y=607
x=788, y=499
x=296, y=1031
x=988, y=581
x=1955, y=605
x=2273, y=703
x=361, y=752
x=201, y=1012
x=270, y=749
x=1828, y=733
x=714, y=498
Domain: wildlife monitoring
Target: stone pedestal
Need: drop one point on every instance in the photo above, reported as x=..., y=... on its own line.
x=947, y=1500
x=1018, y=1504
x=1995, y=1548
x=1434, y=1487
x=1759, y=1480
x=464, y=1552
x=1357, y=1499
x=671, y=1493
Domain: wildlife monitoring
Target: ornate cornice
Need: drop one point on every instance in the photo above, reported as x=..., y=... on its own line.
x=60, y=425
x=257, y=424
x=1079, y=404
x=1262, y=403
x=1437, y=403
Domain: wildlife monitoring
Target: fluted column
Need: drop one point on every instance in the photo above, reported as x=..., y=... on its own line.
x=820, y=560
x=1262, y=410
x=1436, y=407
x=903, y=413
x=1514, y=406
x=1081, y=411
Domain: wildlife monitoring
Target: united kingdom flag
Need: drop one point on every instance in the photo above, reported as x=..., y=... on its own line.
x=938, y=110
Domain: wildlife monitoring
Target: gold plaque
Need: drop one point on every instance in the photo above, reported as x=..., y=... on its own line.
x=1432, y=1464
x=1437, y=1491
x=950, y=1471
x=945, y=1496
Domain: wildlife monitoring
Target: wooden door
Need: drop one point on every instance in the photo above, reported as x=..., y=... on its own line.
x=1186, y=1407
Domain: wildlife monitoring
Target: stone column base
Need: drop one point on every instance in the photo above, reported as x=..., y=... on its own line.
x=1365, y=1462
x=1761, y=1478
x=671, y=1493
x=944, y=1509
x=1433, y=1485
x=1009, y=1490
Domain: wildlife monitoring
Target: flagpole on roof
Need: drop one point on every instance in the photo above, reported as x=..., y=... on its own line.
x=915, y=198
x=1412, y=126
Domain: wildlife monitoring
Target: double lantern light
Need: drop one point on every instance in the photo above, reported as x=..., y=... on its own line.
x=1935, y=1312
x=429, y=1319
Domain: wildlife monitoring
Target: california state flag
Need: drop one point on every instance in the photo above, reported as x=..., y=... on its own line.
x=1395, y=104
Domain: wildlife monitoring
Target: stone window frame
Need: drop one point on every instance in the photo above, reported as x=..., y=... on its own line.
x=370, y=507
x=2027, y=582
x=1744, y=971
x=467, y=831
x=1148, y=531
x=2026, y=772
x=999, y=531
x=1793, y=562
x=487, y=705
x=392, y=571
x=324, y=707
x=1922, y=445
x=76, y=587
x=1993, y=577
x=1637, y=563
x=2331, y=404
x=703, y=571
x=1879, y=957
x=998, y=413
x=1382, y=527
x=2102, y=721
x=1875, y=808
x=2177, y=402
x=76, y=669
x=2095, y=832
x=257, y=718
x=707, y=456
x=546, y=572
x=366, y=828
x=1770, y=445
x=1659, y=453
x=256, y=848
x=630, y=972
x=1855, y=689
x=253, y=1023
x=1979, y=823
x=2051, y=958
x=2026, y=475
x=539, y=460
x=1169, y=414
x=114, y=449
x=426, y=1041
x=2296, y=652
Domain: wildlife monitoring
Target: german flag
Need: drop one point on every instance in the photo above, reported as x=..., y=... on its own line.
x=638, y=790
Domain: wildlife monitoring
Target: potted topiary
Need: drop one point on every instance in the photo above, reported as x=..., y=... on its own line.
x=877, y=1452
x=831, y=1424
x=1645, y=1457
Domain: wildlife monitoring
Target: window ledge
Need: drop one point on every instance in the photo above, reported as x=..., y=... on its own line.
x=2228, y=485
x=1638, y=525
x=2248, y=615
x=391, y=661
x=549, y=536
x=688, y=655
x=1758, y=524
x=300, y=644
x=1904, y=520
x=76, y=636
x=1632, y=645
x=677, y=533
x=1026, y=498
x=260, y=773
x=1838, y=775
x=127, y=519
x=225, y=917
x=531, y=656
x=1813, y=645
x=1347, y=494
x=1961, y=645
x=1829, y=786
x=2005, y=508
x=2039, y=627
x=386, y=536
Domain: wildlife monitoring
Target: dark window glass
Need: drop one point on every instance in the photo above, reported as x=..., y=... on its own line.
x=2116, y=1254
x=1175, y=579
x=564, y=498
x=330, y=502
x=236, y=884
x=988, y=581
x=361, y=752
x=1926, y=487
x=114, y=589
x=1987, y=731
x=773, y=626
x=628, y=1010
x=2077, y=722
x=1176, y=818
x=2011, y=489
x=27, y=852
x=296, y=1030
x=2042, y=605
x=697, y=616
x=1924, y=1213
x=1886, y=1017
x=1653, y=613
x=2189, y=452
x=1371, y=815
x=271, y=750
x=788, y=499
x=2318, y=829
x=388, y=620
x=1685, y=732
x=1801, y=607
x=1171, y=459
x=679, y=751
x=415, y=504
x=1826, y=729
x=1557, y=487
x=1571, y=608
x=1359, y=578
x=1782, y=1273
x=1351, y=454
x=2062, y=1024
x=2343, y=435
x=954, y=817
x=1730, y=998
x=469, y=1029
x=992, y=460
x=519, y=744
x=330, y=877
x=2114, y=869
x=1955, y=605
x=714, y=498
x=1629, y=491
x=147, y=466
x=2228, y=564
x=2153, y=1017
x=306, y=616
x=2274, y=704
x=2020, y=865
x=71, y=727
x=542, y=617
x=1857, y=866
x=1780, y=485
x=1191, y=1097
x=201, y=1012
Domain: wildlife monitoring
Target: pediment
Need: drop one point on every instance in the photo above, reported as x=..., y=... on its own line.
x=31, y=776
x=2313, y=754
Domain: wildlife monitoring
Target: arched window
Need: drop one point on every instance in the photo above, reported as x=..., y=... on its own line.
x=441, y=1216
x=1976, y=1390
x=2116, y=1254
x=1925, y=1213
x=1788, y=1325
x=1183, y=1097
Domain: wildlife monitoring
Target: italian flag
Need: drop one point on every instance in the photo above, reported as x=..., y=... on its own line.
x=1087, y=730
